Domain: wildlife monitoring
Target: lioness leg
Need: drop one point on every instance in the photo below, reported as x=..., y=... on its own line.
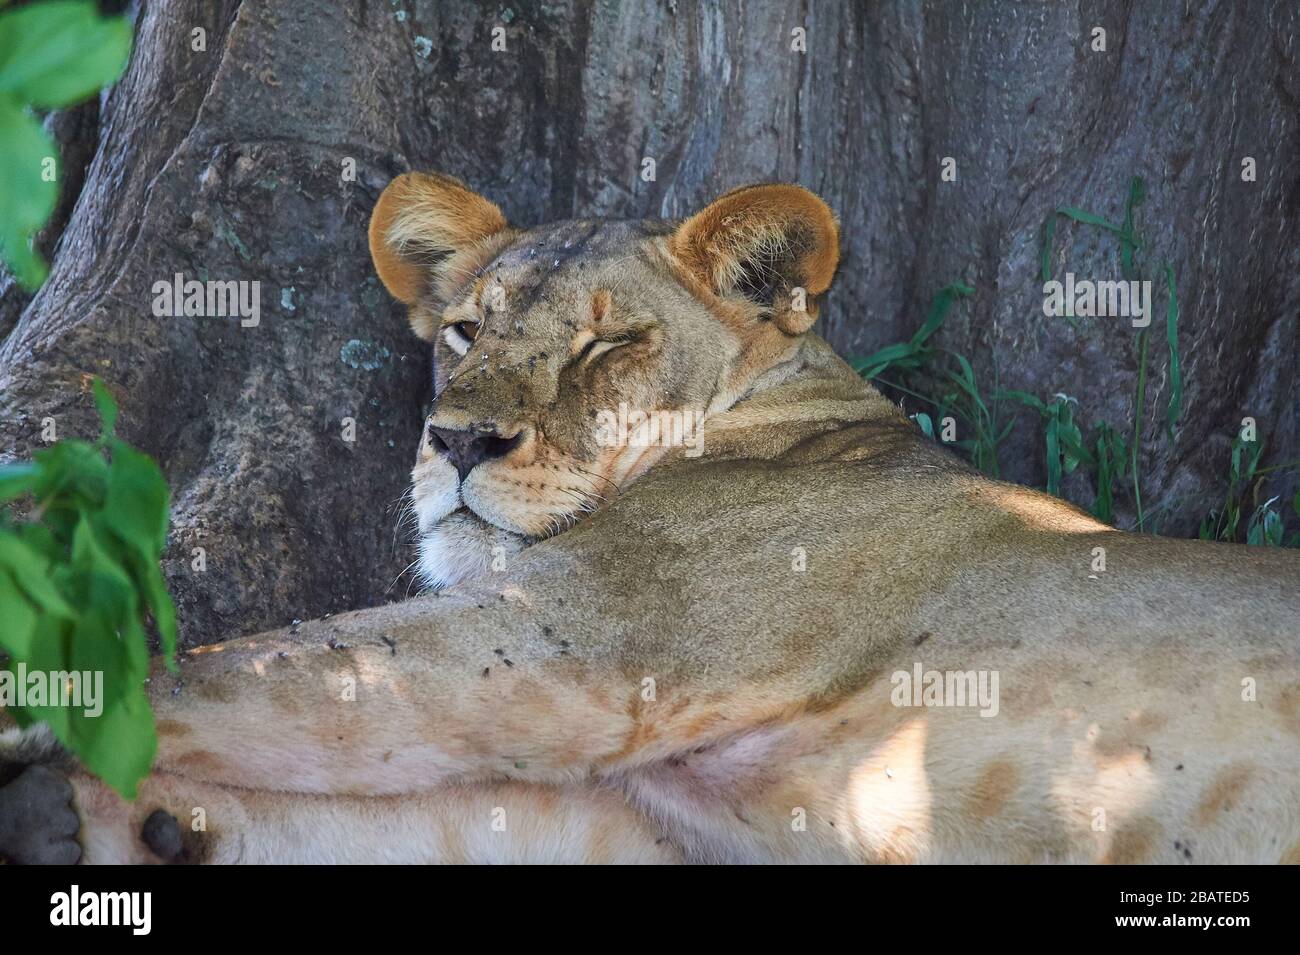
x=476, y=824
x=447, y=695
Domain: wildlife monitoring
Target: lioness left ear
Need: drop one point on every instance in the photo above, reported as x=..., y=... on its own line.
x=428, y=232
x=764, y=243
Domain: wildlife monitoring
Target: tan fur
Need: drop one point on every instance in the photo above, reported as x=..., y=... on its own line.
x=428, y=232
x=757, y=223
x=665, y=681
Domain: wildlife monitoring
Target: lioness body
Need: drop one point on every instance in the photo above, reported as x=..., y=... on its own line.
x=713, y=666
x=1121, y=733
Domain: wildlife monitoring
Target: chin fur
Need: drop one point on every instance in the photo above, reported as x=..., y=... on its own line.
x=462, y=547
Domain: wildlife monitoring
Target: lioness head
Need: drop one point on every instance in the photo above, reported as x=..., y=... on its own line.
x=549, y=341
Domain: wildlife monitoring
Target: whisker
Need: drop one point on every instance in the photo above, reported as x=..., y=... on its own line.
x=600, y=477
x=400, y=575
x=405, y=519
x=584, y=492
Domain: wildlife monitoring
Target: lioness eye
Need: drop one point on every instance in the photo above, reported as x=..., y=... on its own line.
x=459, y=335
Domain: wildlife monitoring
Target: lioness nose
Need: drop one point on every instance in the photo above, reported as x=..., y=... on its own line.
x=467, y=448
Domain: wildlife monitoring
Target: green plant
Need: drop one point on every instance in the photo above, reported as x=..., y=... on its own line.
x=1246, y=480
x=1243, y=461
x=964, y=401
x=1111, y=460
x=944, y=380
x=52, y=55
x=1265, y=526
x=962, y=396
x=1129, y=244
x=916, y=352
x=1065, y=447
x=76, y=578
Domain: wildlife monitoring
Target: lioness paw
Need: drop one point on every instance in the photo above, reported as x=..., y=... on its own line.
x=38, y=825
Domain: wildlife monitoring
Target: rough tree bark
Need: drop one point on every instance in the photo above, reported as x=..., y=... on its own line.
x=228, y=164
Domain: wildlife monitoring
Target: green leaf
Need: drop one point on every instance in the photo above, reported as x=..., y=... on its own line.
x=49, y=646
x=1087, y=218
x=90, y=556
x=1053, y=456
x=19, y=618
x=120, y=744
x=96, y=645
x=17, y=480
x=913, y=353
x=1071, y=441
x=1026, y=399
x=73, y=469
x=135, y=506
x=30, y=571
x=1103, y=503
x=58, y=53
x=27, y=193
x=966, y=381
x=136, y=511
x=149, y=580
x=42, y=540
x=109, y=637
x=1175, y=406
x=1273, y=528
x=939, y=307
x=1127, y=238
x=107, y=410
x=900, y=353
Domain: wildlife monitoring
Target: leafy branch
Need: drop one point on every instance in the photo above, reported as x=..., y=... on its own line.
x=76, y=580
x=52, y=55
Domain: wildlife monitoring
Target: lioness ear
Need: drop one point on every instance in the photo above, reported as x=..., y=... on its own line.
x=428, y=233
x=764, y=243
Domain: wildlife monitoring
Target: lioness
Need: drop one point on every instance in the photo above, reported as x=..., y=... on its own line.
x=822, y=639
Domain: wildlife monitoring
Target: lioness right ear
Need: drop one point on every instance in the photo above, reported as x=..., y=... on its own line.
x=762, y=243
x=428, y=233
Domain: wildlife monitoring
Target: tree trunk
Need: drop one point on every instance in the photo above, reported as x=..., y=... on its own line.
x=232, y=164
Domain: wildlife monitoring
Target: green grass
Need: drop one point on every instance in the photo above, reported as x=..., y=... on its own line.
x=1244, y=495
x=945, y=381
